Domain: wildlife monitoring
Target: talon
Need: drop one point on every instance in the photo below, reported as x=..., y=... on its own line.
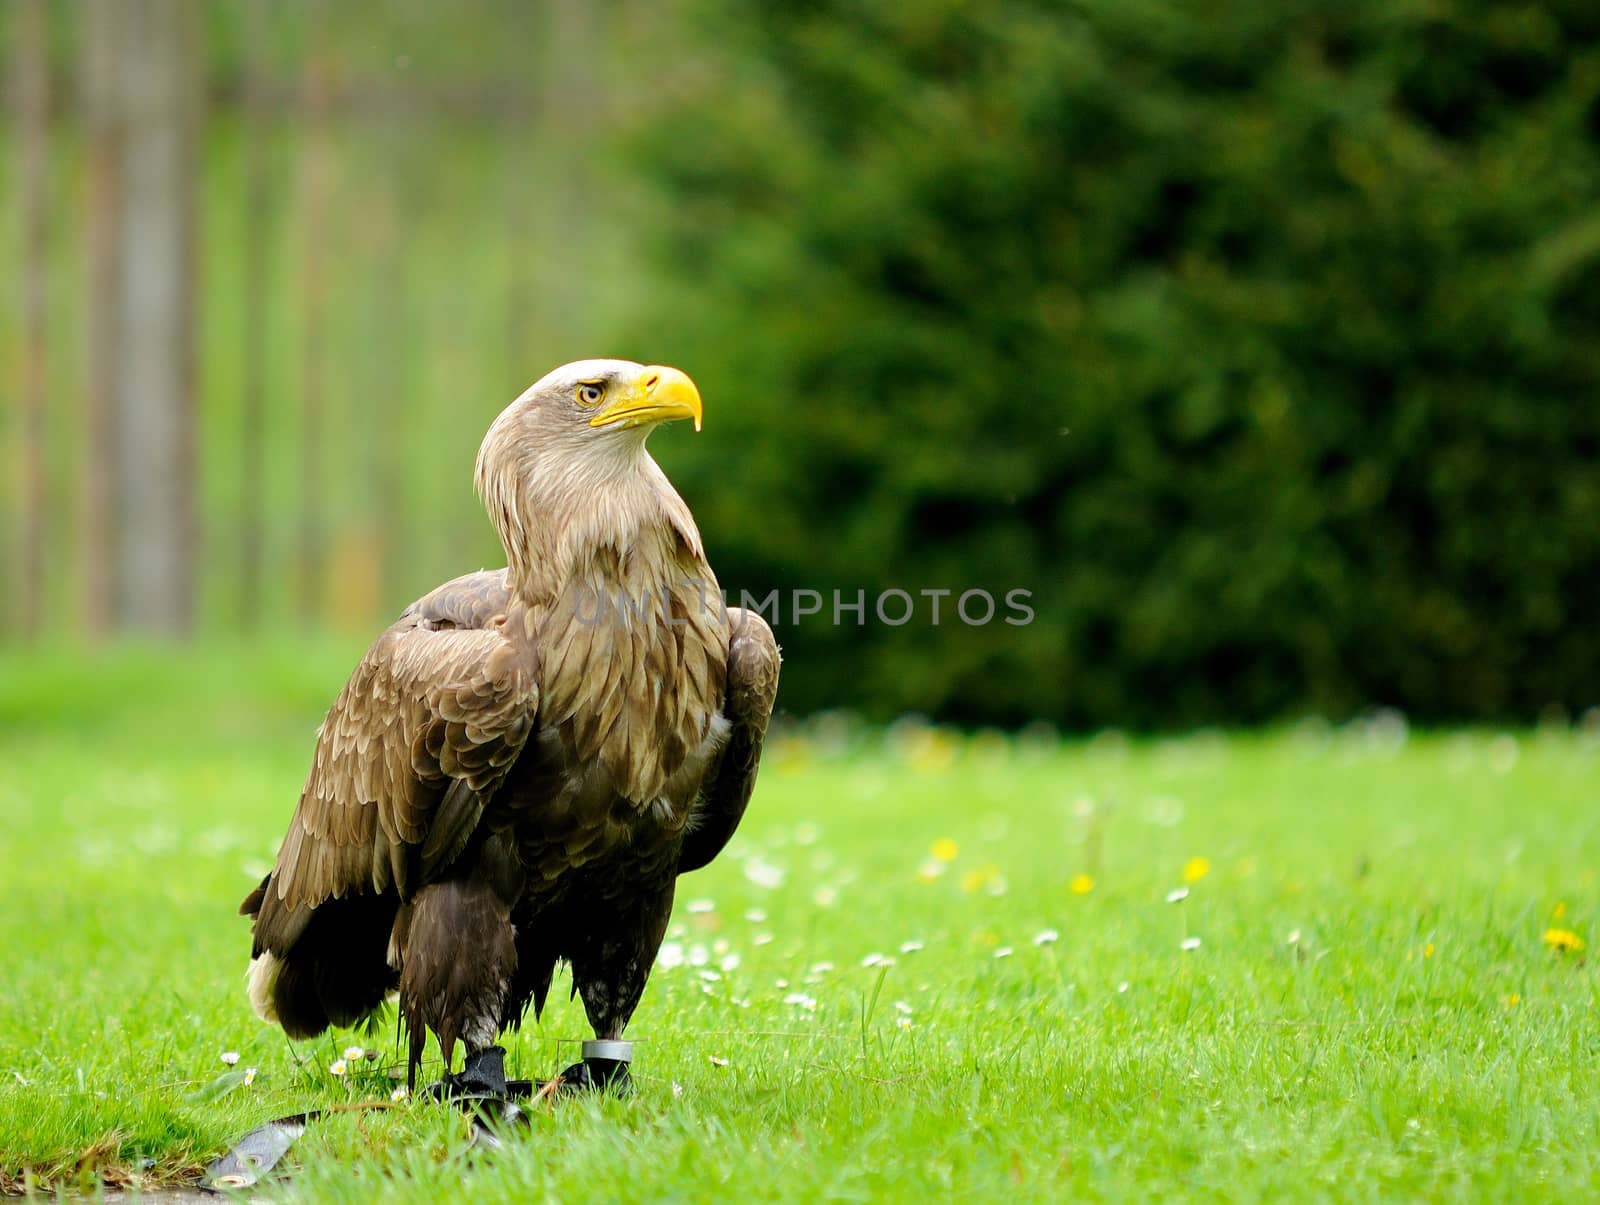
x=489, y=1110
x=483, y=1077
x=597, y=1075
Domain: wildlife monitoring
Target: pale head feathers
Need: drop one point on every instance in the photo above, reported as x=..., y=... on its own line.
x=557, y=488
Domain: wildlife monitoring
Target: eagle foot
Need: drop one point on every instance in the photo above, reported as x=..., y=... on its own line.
x=482, y=1092
x=597, y=1075
x=484, y=1075
x=603, y=1068
x=481, y=1086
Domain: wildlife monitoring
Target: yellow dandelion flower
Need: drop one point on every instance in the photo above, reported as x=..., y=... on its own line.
x=945, y=849
x=1427, y=950
x=792, y=751
x=1563, y=939
x=974, y=879
x=934, y=749
x=1559, y=912
x=1196, y=869
x=1513, y=1000
x=1081, y=884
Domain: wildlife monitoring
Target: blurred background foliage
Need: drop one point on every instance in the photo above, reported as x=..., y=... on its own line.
x=1259, y=342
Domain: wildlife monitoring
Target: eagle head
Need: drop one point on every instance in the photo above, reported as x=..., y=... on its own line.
x=565, y=463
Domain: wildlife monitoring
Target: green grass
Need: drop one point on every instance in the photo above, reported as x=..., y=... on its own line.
x=1418, y=1039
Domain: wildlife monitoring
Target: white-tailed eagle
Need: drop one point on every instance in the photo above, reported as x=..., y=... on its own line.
x=524, y=763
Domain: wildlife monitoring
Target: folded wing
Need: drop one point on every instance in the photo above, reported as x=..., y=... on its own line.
x=421, y=736
x=752, y=685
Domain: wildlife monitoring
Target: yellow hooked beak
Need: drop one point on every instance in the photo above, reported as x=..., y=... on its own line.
x=657, y=395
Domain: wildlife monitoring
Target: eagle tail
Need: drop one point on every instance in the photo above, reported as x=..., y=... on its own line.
x=335, y=971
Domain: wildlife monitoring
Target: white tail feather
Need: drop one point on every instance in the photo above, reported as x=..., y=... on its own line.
x=263, y=976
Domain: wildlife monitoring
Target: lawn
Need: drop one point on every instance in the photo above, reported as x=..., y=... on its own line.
x=933, y=964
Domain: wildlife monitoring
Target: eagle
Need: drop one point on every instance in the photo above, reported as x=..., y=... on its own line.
x=520, y=767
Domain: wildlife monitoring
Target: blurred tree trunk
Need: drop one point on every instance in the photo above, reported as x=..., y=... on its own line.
x=33, y=113
x=520, y=187
x=399, y=190
x=393, y=420
x=98, y=88
x=257, y=204
x=155, y=340
x=572, y=110
x=314, y=168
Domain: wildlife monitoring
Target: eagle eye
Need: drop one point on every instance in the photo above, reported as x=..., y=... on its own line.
x=590, y=392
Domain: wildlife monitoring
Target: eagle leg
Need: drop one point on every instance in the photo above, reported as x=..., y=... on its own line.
x=458, y=956
x=610, y=970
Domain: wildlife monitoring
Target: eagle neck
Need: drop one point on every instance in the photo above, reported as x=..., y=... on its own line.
x=616, y=525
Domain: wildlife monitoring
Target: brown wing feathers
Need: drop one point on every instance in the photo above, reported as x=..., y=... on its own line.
x=752, y=676
x=426, y=727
